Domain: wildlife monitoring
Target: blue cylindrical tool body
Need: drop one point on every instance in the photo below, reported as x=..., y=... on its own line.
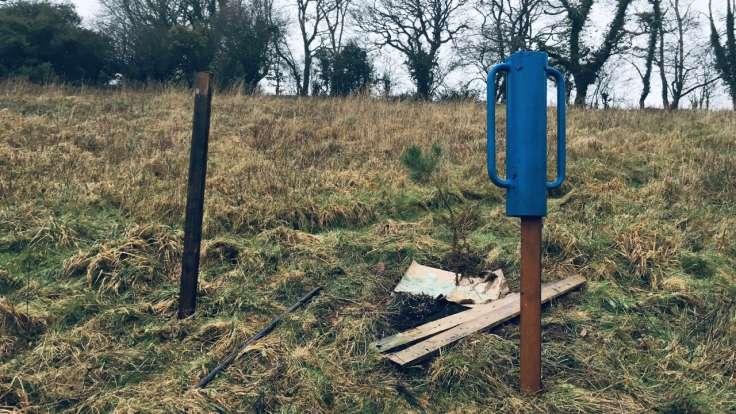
x=526, y=133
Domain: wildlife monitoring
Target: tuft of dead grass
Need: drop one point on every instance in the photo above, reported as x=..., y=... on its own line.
x=17, y=323
x=143, y=255
x=17, y=327
x=647, y=252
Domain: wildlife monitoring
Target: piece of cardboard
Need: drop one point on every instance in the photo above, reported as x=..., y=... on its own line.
x=425, y=280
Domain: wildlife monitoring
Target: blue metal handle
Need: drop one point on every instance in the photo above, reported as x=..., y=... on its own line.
x=491, y=125
x=561, y=95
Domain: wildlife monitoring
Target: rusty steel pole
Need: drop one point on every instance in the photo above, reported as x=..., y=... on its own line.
x=531, y=304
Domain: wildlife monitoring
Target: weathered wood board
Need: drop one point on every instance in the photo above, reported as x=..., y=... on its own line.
x=442, y=324
x=502, y=313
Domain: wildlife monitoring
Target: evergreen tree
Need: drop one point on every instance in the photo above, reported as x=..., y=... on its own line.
x=45, y=42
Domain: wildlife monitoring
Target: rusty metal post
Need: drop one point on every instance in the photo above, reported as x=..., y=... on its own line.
x=195, y=194
x=526, y=181
x=531, y=304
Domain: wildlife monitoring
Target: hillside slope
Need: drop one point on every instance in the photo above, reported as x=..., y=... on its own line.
x=311, y=192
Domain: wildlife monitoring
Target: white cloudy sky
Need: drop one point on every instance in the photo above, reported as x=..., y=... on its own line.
x=87, y=8
x=628, y=84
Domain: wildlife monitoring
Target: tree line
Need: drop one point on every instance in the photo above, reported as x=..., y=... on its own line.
x=327, y=47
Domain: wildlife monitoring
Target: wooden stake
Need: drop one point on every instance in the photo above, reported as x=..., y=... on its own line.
x=195, y=194
x=531, y=304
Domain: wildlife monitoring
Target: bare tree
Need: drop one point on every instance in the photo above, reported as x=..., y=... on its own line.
x=505, y=27
x=309, y=19
x=584, y=62
x=604, y=93
x=321, y=27
x=335, y=14
x=725, y=55
x=702, y=98
x=681, y=58
x=276, y=74
x=685, y=60
x=650, y=23
x=417, y=29
x=661, y=61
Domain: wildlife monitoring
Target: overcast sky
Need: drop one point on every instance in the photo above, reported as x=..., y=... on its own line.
x=87, y=8
x=626, y=79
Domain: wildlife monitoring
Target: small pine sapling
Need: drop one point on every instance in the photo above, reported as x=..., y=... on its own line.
x=426, y=169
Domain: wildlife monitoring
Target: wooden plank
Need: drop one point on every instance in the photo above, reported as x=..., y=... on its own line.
x=502, y=314
x=442, y=324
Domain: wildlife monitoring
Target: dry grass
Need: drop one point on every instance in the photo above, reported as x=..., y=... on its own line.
x=145, y=253
x=16, y=326
x=307, y=192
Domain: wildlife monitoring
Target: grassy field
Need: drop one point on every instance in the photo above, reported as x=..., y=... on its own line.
x=312, y=192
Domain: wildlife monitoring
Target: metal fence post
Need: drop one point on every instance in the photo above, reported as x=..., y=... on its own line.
x=195, y=194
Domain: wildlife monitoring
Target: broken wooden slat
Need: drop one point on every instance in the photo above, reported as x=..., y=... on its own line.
x=487, y=320
x=442, y=324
